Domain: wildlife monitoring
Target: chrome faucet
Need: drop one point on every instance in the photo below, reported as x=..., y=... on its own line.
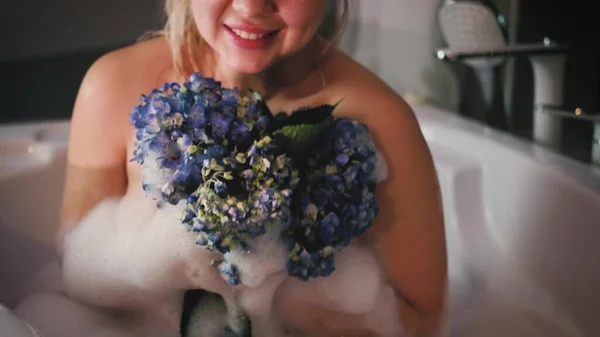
x=476, y=25
x=548, y=60
x=473, y=31
x=578, y=114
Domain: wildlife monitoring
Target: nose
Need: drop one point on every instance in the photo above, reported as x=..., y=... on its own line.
x=252, y=7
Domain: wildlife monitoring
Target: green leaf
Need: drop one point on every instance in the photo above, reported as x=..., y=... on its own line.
x=311, y=115
x=303, y=116
x=299, y=139
x=299, y=132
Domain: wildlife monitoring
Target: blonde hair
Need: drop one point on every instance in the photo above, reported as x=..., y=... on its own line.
x=184, y=39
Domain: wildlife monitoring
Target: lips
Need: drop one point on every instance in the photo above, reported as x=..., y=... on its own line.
x=250, y=37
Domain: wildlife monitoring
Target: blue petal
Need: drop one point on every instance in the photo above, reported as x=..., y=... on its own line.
x=240, y=132
x=351, y=173
x=196, y=116
x=262, y=123
x=342, y=159
x=216, y=151
x=221, y=122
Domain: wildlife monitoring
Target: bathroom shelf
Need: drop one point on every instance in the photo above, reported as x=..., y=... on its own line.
x=575, y=114
x=453, y=55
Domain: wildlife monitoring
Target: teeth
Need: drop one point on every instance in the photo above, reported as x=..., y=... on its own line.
x=247, y=36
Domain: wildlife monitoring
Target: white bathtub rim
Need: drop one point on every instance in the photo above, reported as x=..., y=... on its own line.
x=428, y=115
x=44, y=140
x=587, y=176
x=28, y=130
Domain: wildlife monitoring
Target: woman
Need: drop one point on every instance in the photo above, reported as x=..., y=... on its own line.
x=271, y=46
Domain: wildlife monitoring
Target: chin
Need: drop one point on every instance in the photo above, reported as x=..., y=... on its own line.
x=249, y=65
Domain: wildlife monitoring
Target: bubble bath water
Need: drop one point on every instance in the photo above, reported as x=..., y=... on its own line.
x=131, y=255
x=253, y=213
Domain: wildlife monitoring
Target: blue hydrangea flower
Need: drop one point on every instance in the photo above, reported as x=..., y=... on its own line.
x=230, y=272
x=337, y=203
x=242, y=195
x=180, y=127
x=209, y=147
x=306, y=265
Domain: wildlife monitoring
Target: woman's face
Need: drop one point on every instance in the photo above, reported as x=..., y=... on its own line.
x=250, y=35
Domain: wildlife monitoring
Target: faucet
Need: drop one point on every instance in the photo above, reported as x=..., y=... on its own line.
x=578, y=114
x=476, y=35
x=548, y=61
x=477, y=25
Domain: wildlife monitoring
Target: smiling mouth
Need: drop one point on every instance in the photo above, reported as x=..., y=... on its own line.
x=250, y=36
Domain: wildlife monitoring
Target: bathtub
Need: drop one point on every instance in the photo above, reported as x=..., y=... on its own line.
x=522, y=226
x=32, y=170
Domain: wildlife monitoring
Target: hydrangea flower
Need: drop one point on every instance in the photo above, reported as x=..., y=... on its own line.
x=229, y=272
x=175, y=123
x=243, y=194
x=240, y=171
x=337, y=204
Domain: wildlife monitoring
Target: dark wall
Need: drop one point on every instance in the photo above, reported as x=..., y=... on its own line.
x=47, y=46
x=39, y=28
x=570, y=22
x=51, y=45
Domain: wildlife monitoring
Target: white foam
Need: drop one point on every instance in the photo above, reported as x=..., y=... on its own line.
x=55, y=315
x=128, y=253
x=381, y=168
x=153, y=175
x=106, y=258
x=382, y=320
x=352, y=288
x=257, y=303
x=267, y=256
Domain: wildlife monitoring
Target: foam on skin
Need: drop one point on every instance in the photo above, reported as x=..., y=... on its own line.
x=130, y=254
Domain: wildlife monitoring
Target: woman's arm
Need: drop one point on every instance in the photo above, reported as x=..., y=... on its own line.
x=410, y=226
x=409, y=230
x=97, y=146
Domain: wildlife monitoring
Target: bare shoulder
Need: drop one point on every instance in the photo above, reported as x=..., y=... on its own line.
x=134, y=66
x=132, y=60
x=110, y=87
x=363, y=94
x=367, y=98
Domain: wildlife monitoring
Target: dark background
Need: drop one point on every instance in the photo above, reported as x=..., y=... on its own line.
x=573, y=22
x=47, y=46
x=569, y=22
